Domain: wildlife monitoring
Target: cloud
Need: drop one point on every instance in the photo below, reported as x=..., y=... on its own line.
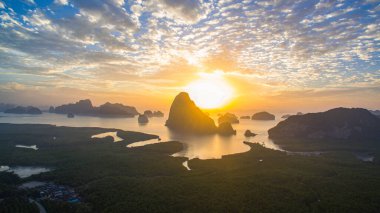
x=30, y=2
x=106, y=14
x=181, y=12
x=188, y=10
x=280, y=44
x=61, y=2
x=13, y=86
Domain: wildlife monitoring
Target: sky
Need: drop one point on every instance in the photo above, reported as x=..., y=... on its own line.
x=277, y=55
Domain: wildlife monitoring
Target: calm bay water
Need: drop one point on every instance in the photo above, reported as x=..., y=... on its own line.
x=203, y=147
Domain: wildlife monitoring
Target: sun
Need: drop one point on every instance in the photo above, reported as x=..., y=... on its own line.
x=210, y=92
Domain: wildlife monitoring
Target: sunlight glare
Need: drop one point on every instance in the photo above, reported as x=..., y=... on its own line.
x=210, y=92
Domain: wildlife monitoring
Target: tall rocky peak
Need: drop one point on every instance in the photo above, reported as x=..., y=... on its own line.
x=185, y=116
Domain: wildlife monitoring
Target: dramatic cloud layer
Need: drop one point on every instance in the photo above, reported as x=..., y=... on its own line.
x=279, y=47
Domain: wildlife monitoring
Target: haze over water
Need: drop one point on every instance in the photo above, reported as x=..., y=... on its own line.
x=203, y=147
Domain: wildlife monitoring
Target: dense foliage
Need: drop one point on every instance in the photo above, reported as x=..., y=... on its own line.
x=11, y=199
x=17, y=204
x=113, y=178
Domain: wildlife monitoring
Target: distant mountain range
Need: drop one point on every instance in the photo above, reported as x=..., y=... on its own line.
x=85, y=107
x=24, y=110
x=82, y=107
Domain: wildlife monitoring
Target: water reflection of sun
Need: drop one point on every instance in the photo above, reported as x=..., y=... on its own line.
x=210, y=91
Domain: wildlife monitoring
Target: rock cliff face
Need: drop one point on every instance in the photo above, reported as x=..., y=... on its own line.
x=263, y=116
x=185, y=116
x=339, y=123
x=24, y=110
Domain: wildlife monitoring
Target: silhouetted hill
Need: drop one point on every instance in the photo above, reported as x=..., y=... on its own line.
x=263, y=116
x=339, y=123
x=24, y=110
x=185, y=116
x=228, y=117
x=85, y=107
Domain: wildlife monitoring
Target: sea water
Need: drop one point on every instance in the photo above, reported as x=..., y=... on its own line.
x=203, y=147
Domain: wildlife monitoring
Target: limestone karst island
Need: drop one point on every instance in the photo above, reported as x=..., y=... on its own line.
x=189, y=106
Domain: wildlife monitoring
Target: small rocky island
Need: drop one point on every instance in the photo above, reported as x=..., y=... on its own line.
x=143, y=119
x=151, y=114
x=228, y=118
x=248, y=133
x=245, y=117
x=226, y=129
x=24, y=110
x=85, y=107
x=265, y=116
x=339, y=124
x=185, y=116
